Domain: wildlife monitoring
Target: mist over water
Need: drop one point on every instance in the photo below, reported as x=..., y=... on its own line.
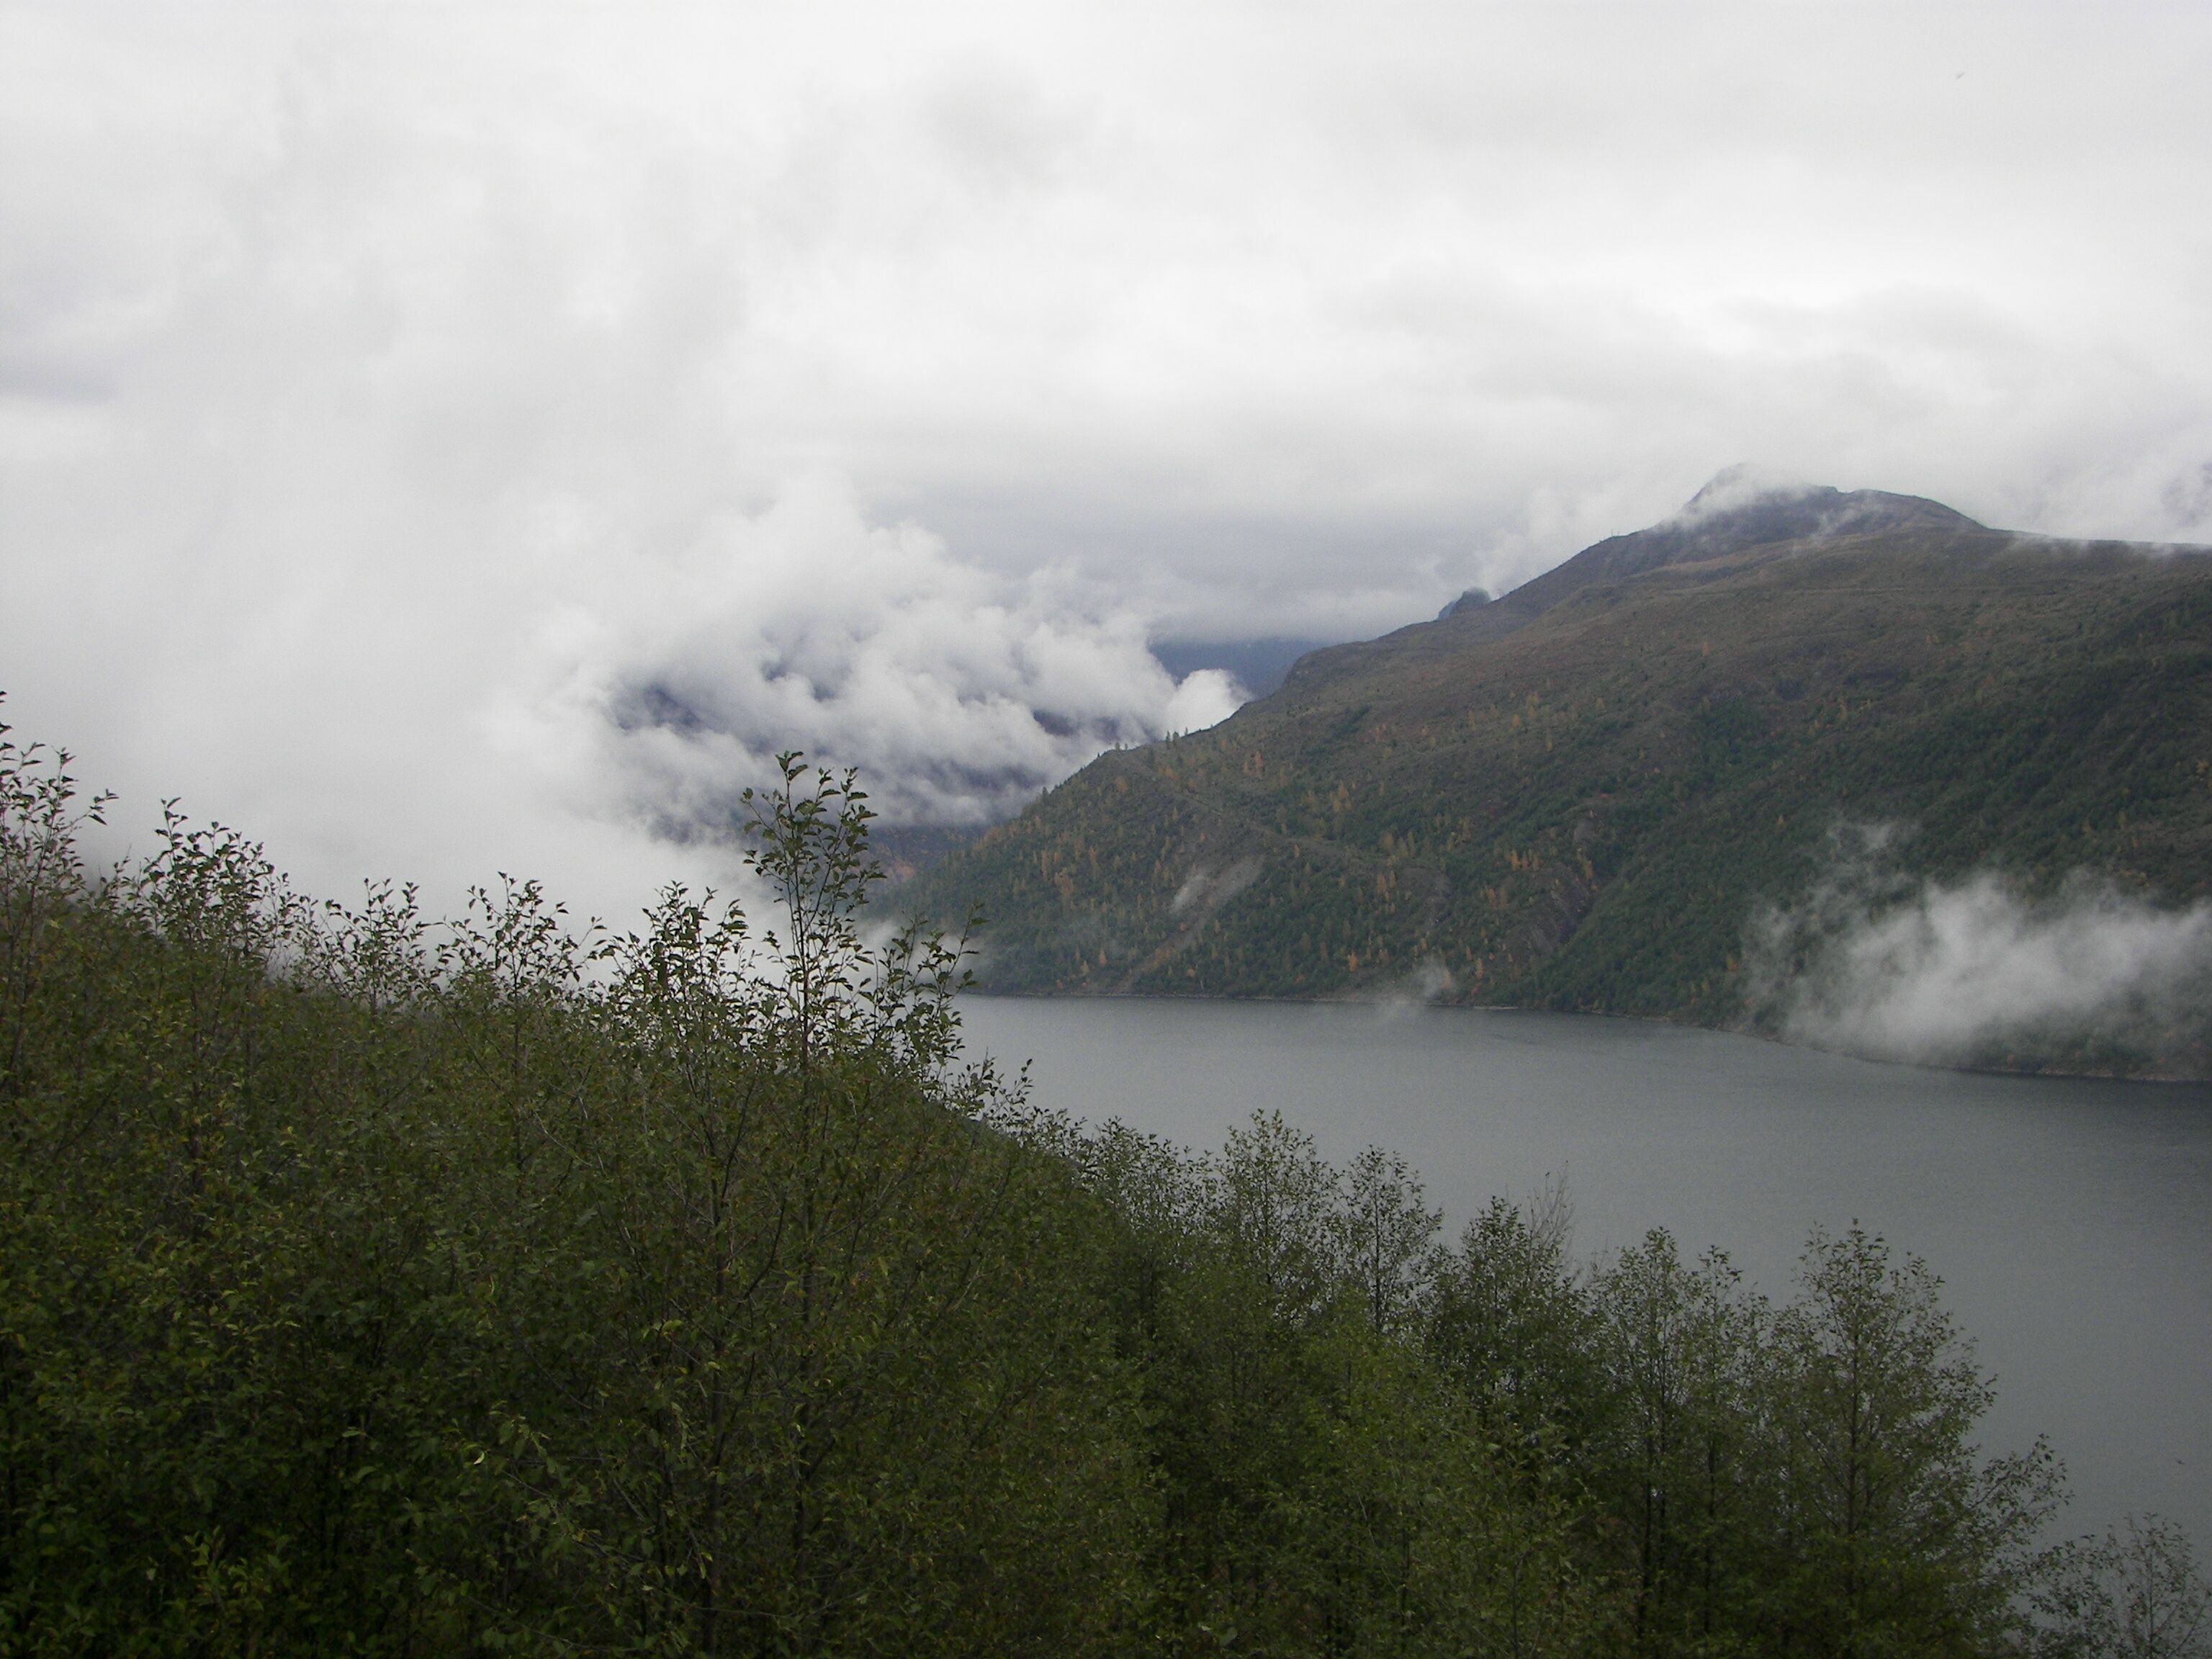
x=2070, y=1219
x=1974, y=972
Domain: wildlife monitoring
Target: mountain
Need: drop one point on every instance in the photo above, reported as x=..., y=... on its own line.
x=1737, y=512
x=1577, y=795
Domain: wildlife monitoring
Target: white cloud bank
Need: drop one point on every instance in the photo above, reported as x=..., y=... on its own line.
x=959, y=693
x=1975, y=972
x=378, y=706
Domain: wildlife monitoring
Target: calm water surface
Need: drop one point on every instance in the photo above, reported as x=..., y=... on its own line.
x=2071, y=1220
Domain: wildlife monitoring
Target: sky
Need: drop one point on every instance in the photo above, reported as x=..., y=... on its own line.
x=449, y=439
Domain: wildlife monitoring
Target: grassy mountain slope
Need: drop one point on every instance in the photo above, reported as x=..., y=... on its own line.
x=1575, y=796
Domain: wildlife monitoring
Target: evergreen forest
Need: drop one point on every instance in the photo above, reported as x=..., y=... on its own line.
x=374, y=1284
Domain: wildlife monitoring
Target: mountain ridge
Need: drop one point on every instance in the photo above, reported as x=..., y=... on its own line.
x=1576, y=796
x=1735, y=512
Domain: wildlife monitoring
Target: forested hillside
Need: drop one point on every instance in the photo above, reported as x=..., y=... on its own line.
x=377, y=1287
x=1576, y=796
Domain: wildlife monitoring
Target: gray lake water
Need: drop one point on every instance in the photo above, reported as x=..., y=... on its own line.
x=2070, y=1220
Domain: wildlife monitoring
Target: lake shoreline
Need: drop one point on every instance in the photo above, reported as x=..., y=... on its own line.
x=1387, y=1003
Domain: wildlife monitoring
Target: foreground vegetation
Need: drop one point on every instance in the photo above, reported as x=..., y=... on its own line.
x=368, y=1285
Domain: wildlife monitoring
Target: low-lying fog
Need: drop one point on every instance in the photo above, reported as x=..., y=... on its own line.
x=1975, y=971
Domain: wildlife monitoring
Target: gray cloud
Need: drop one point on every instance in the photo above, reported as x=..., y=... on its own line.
x=958, y=692
x=1974, y=971
x=380, y=388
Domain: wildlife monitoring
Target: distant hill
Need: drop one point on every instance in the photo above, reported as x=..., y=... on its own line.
x=1574, y=796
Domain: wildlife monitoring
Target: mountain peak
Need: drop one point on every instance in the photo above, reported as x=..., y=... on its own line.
x=1743, y=485
x=1741, y=508
x=1745, y=506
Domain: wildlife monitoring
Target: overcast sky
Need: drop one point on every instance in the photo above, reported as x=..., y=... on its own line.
x=445, y=438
